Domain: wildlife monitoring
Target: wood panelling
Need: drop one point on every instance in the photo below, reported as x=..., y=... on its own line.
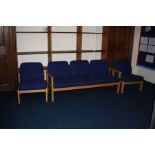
x=79, y=42
x=117, y=42
x=120, y=43
x=49, y=44
x=105, y=42
x=32, y=53
x=8, y=59
x=57, y=52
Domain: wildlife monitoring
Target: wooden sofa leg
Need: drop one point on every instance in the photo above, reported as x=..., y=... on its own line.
x=118, y=88
x=46, y=93
x=18, y=94
x=141, y=86
x=122, y=88
x=52, y=95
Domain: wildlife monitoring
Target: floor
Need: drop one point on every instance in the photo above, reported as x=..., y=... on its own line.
x=98, y=108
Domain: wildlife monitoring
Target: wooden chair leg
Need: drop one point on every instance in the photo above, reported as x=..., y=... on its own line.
x=52, y=95
x=118, y=88
x=46, y=95
x=122, y=88
x=18, y=94
x=141, y=86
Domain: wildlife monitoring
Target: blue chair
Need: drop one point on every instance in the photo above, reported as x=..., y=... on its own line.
x=31, y=79
x=124, y=71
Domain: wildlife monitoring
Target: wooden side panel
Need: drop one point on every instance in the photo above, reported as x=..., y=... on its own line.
x=8, y=59
x=105, y=43
x=120, y=43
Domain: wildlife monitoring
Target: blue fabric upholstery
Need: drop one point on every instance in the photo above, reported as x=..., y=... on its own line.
x=83, y=80
x=31, y=71
x=80, y=73
x=73, y=81
x=124, y=66
x=63, y=82
x=99, y=68
x=132, y=77
x=59, y=69
x=32, y=85
x=105, y=79
x=31, y=76
x=80, y=68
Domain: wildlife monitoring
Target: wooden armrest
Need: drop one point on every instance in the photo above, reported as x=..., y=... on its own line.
x=111, y=70
x=50, y=75
x=51, y=79
x=119, y=73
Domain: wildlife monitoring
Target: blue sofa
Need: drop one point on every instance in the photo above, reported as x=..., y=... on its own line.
x=80, y=74
x=124, y=71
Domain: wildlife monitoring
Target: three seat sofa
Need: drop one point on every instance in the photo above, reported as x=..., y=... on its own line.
x=80, y=74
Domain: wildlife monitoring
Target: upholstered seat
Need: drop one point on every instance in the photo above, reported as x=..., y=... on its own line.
x=131, y=77
x=79, y=75
x=105, y=79
x=100, y=72
x=32, y=85
x=59, y=69
x=80, y=72
x=80, y=68
x=124, y=68
x=99, y=68
x=63, y=82
x=31, y=79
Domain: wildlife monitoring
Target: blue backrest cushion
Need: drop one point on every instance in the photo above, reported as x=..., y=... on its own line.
x=31, y=71
x=99, y=68
x=59, y=69
x=123, y=66
x=80, y=68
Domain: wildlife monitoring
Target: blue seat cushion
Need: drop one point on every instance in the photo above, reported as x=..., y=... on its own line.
x=72, y=81
x=31, y=71
x=83, y=80
x=131, y=77
x=59, y=69
x=32, y=85
x=105, y=79
x=63, y=82
x=80, y=68
x=99, y=68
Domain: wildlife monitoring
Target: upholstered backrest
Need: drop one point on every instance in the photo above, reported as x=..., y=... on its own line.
x=59, y=69
x=31, y=71
x=123, y=66
x=99, y=67
x=80, y=68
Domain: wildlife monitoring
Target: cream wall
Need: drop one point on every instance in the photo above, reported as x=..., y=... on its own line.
x=149, y=75
x=31, y=42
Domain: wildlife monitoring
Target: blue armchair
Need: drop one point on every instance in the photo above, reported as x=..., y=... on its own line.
x=124, y=70
x=31, y=79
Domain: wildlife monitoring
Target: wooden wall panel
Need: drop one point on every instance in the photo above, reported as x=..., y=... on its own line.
x=8, y=59
x=120, y=43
